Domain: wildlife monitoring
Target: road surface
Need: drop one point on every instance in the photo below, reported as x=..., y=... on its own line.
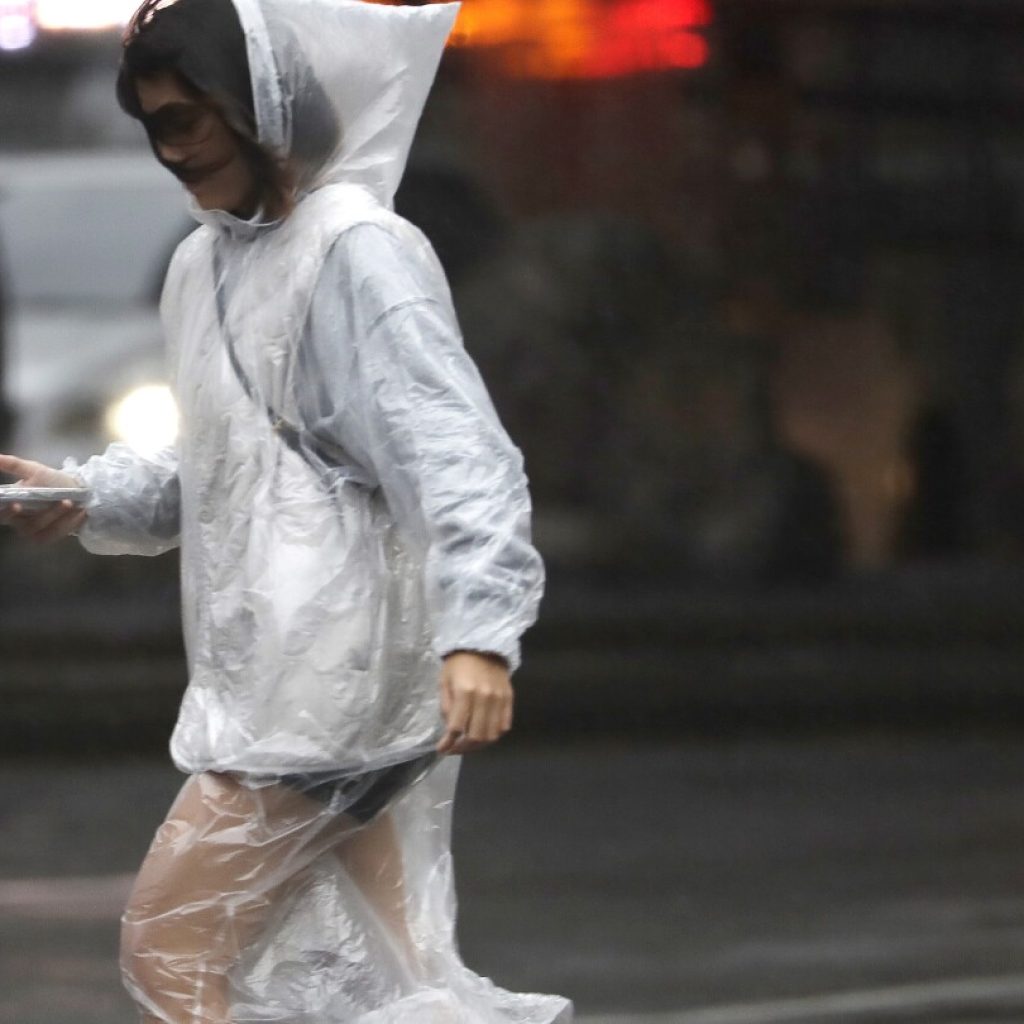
x=866, y=878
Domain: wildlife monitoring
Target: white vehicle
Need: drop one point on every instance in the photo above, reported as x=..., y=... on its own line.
x=84, y=242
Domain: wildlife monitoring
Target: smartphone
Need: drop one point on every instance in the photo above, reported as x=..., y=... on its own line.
x=40, y=497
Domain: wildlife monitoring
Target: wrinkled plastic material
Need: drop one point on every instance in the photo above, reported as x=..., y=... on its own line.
x=268, y=904
x=321, y=587
x=300, y=658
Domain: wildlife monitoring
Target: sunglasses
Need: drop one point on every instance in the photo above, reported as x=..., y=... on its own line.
x=181, y=124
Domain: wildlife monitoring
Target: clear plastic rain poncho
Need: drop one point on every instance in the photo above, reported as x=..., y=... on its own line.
x=304, y=873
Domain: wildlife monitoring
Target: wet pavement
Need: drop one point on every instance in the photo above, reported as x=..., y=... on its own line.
x=865, y=878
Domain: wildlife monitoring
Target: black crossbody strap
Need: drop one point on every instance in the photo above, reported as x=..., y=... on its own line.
x=288, y=432
x=301, y=442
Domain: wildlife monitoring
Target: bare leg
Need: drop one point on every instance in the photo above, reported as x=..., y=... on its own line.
x=372, y=858
x=224, y=856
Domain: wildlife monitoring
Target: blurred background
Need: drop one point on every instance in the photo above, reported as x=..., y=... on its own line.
x=745, y=280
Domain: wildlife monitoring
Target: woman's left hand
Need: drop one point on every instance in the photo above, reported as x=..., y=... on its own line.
x=476, y=700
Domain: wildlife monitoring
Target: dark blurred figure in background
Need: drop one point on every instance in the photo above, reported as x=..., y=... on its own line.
x=936, y=519
x=703, y=484
x=579, y=297
x=664, y=429
x=456, y=215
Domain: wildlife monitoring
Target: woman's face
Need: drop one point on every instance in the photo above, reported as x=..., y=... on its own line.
x=191, y=137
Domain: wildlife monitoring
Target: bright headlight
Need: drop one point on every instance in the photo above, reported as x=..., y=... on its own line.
x=17, y=29
x=146, y=419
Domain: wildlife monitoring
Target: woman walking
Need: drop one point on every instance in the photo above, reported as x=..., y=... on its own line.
x=354, y=530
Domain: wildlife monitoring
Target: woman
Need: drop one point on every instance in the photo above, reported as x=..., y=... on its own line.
x=353, y=521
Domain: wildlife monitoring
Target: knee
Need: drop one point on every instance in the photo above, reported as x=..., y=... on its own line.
x=163, y=962
x=145, y=967
x=167, y=951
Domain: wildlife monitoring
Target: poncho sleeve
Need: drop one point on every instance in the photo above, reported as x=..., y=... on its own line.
x=384, y=375
x=135, y=507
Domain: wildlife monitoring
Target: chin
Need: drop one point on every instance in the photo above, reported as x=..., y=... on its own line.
x=210, y=202
x=212, y=198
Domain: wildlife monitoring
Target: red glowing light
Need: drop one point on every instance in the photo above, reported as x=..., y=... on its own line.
x=586, y=38
x=650, y=35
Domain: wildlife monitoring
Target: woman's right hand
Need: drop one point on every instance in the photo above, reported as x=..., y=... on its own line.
x=42, y=525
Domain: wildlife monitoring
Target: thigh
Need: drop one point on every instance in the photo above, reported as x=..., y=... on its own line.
x=225, y=852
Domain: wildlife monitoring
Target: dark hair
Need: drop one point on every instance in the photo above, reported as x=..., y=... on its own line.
x=202, y=43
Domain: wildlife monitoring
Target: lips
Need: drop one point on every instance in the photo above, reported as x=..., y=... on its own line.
x=197, y=175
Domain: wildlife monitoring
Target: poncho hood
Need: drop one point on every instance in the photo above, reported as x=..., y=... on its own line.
x=339, y=85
